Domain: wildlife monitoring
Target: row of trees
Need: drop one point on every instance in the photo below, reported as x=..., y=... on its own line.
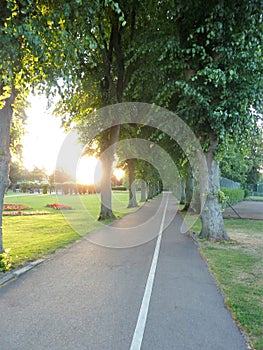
x=200, y=60
x=18, y=173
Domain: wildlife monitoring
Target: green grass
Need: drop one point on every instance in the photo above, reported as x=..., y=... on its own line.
x=254, y=198
x=238, y=268
x=32, y=237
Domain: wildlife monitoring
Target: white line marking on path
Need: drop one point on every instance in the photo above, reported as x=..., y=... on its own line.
x=141, y=322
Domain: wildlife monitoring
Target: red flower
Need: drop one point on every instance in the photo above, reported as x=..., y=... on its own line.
x=11, y=207
x=57, y=206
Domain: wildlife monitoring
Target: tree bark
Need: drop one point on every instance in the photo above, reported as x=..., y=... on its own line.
x=106, y=195
x=5, y=120
x=132, y=188
x=143, y=191
x=212, y=220
x=150, y=191
x=107, y=158
x=196, y=198
x=183, y=196
x=189, y=182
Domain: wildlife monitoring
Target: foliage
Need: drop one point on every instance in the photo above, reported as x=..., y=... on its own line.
x=28, y=186
x=231, y=196
x=15, y=172
x=18, y=173
x=18, y=129
x=45, y=187
x=59, y=176
x=119, y=188
x=241, y=161
x=205, y=63
x=5, y=261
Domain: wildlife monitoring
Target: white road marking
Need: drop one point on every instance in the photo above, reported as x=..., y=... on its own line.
x=141, y=321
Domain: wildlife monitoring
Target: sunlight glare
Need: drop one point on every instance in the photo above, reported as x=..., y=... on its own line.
x=118, y=173
x=89, y=171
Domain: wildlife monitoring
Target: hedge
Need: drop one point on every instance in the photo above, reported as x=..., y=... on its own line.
x=233, y=196
x=119, y=188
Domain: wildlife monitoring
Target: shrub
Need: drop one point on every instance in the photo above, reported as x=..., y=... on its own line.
x=45, y=187
x=232, y=196
x=28, y=186
x=119, y=188
x=24, y=187
x=5, y=261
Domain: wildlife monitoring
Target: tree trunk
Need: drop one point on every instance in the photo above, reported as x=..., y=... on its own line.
x=143, y=191
x=132, y=188
x=196, y=199
x=107, y=159
x=211, y=216
x=106, y=195
x=182, y=200
x=5, y=120
x=150, y=190
x=189, y=183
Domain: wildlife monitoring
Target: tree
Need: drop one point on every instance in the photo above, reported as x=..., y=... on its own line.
x=241, y=161
x=104, y=34
x=30, y=58
x=59, y=176
x=208, y=68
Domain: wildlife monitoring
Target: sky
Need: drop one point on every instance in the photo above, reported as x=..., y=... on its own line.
x=43, y=141
x=43, y=137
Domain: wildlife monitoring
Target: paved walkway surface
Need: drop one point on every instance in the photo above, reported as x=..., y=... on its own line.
x=154, y=295
x=245, y=210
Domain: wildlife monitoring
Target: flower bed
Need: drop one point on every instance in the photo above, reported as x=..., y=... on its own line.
x=57, y=206
x=25, y=213
x=15, y=207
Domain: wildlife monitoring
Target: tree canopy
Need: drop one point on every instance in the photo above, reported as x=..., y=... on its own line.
x=200, y=59
x=204, y=61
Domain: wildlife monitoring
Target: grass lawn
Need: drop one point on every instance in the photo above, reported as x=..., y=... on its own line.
x=238, y=268
x=254, y=198
x=32, y=237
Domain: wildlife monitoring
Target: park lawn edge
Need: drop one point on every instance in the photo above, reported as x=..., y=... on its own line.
x=236, y=267
x=63, y=242
x=239, y=315
x=243, y=332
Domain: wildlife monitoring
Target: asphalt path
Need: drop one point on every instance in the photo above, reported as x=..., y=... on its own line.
x=154, y=294
x=245, y=210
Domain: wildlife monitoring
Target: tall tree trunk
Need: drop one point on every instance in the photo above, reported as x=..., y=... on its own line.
x=5, y=120
x=196, y=199
x=160, y=186
x=132, y=188
x=182, y=200
x=211, y=216
x=150, y=190
x=143, y=191
x=189, y=183
x=107, y=158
